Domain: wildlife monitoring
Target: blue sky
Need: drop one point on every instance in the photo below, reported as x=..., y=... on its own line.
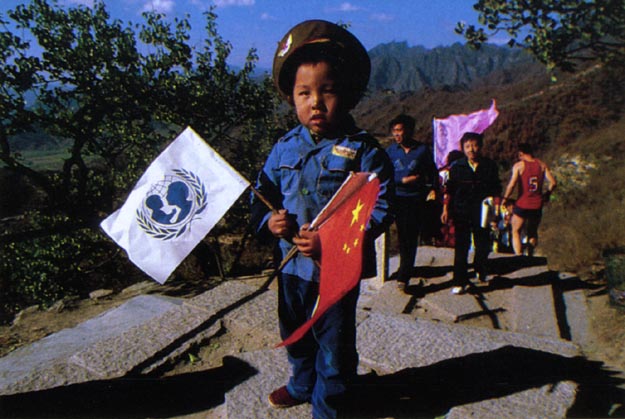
x=261, y=23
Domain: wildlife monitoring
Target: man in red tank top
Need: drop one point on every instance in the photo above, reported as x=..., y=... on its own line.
x=529, y=174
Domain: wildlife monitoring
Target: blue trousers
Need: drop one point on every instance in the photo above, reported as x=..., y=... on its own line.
x=325, y=360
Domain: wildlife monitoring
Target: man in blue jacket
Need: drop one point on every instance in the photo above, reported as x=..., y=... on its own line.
x=415, y=178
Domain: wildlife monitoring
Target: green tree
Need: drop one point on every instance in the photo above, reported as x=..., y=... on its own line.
x=118, y=93
x=559, y=33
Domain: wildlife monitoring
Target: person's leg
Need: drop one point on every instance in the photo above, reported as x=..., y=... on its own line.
x=532, y=222
x=407, y=234
x=337, y=359
x=517, y=224
x=296, y=298
x=481, y=237
x=461, y=252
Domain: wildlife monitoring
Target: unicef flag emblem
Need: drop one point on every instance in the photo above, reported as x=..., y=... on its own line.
x=171, y=205
x=181, y=196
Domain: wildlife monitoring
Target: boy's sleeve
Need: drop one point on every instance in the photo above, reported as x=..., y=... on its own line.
x=377, y=161
x=267, y=185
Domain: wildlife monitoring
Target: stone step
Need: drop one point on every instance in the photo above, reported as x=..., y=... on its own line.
x=488, y=373
x=44, y=364
x=416, y=356
x=249, y=399
x=137, y=336
x=533, y=311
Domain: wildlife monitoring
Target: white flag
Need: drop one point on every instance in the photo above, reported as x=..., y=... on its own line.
x=178, y=200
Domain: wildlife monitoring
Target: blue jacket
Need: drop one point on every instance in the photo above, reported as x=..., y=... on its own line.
x=301, y=176
x=418, y=161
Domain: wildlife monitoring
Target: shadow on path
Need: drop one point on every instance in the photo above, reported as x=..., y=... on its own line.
x=132, y=397
x=433, y=390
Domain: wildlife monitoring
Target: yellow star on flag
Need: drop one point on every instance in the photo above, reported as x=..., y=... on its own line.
x=356, y=212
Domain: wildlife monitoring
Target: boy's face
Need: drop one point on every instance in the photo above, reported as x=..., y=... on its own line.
x=471, y=149
x=316, y=98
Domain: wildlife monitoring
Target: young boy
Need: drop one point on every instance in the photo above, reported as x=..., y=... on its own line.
x=322, y=70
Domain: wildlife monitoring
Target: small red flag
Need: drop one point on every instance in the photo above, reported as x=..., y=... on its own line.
x=341, y=226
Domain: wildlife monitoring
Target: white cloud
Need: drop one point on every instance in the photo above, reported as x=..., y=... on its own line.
x=226, y=3
x=382, y=17
x=344, y=7
x=267, y=16
x=348, y=7
x=159, y=6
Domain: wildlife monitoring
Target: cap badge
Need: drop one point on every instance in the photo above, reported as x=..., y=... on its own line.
x=286, y=46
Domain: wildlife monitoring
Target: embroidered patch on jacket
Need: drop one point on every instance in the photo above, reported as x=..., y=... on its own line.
x=342, y=151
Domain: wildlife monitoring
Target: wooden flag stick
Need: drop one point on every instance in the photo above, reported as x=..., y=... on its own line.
x=263, y=199
x=276, y=271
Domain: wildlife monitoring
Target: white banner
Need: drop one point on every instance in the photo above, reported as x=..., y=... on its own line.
x=182, y=195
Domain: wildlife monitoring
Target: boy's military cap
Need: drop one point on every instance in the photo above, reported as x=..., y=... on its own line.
x=321, y=33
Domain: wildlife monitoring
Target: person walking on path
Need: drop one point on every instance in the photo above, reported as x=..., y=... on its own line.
x=472, y=179
x=415, y=178
x=322, y=70
x=529, y=174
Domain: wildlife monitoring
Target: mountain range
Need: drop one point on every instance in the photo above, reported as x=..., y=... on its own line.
x=398, y=67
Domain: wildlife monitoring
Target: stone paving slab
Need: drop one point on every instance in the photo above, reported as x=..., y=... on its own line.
x=435, y=256
x=451, y=308
x=218, y=298
x=390, y=299
x=533, y=311
x=527, y=272
x=143, y=331
x=118, y=355
x=259, y=317
x=548, y=401
x=44, y=364
x=184, y=347
x=249, y=399
x=390, y=343
x=577, y=317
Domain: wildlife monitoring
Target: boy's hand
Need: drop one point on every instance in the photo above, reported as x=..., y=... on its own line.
x=308, y=242
x=281, y=224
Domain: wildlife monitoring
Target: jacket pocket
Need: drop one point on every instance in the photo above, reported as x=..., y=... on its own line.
x=334, y=171
x=290, y=168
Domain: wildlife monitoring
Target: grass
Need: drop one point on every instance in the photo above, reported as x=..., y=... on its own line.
x=44, y=160
x=588, y=215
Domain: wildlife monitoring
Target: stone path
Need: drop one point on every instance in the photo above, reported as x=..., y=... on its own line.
x=510, y=348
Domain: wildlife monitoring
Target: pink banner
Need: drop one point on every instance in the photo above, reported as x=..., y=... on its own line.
x=448, y=131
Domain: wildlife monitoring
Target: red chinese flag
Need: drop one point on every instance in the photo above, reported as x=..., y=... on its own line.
x=341, y=226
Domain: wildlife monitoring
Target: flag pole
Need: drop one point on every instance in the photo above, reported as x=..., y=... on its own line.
x=288, y=256
x=263, y=199
x=276, y=271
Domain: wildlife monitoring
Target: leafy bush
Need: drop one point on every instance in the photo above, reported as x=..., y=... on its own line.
x=43, y=268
